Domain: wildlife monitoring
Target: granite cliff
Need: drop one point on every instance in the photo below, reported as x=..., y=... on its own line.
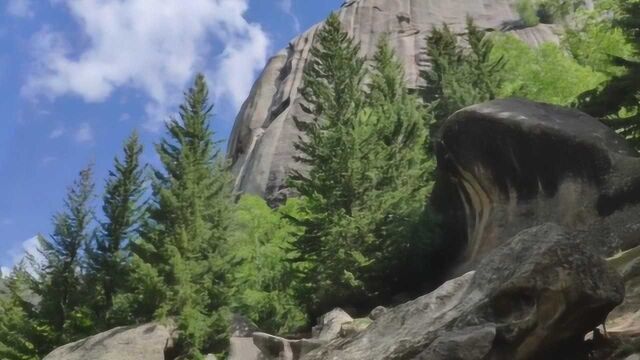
x=261, y=143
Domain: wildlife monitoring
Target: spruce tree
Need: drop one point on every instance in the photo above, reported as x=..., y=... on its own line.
x=59, y=282
x=109, y=259
x=367, y=181
x=182, y=240
x=332, y=93
x=459, y=75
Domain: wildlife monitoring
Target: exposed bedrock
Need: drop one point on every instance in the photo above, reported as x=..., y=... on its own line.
x=261, y=143
x=507, y=165
x=535, y=297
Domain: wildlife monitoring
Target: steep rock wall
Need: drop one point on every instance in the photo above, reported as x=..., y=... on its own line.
x=261, y=143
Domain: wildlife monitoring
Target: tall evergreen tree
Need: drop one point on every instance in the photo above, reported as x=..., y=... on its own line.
x=187, y=227
x=459, y=75
x=332, y=92
x=109, y=259
x=59, y=282
x=366, y=182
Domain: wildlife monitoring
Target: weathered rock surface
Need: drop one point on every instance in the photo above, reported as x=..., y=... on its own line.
x=531, y=298
x=243, y=348
x=277, y=348
x=507, y=165
x=329, y=324
x=148, y=342
x=625, y=319
x=261, y=143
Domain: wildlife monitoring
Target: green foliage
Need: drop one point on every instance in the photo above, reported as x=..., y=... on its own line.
x=594, y=42
x=368, y=176
x=187, y=227
x=260, y=248
x=528, y=11
x=108, y=260
x=460, y=76
x=617, y=102
x=59, y=284
x=545, y=74
x=21, y=337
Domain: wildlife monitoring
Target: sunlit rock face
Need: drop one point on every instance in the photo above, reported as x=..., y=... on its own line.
x=261, y=144
x=507, y=165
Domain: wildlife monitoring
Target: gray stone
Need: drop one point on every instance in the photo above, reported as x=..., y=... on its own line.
x=261, y=142
x=355, y=326
x=536, y=295
x=507, y=165
x=468, y=344
x=329, y=324
x=277, y=348
x=274, y=347
x=243, y=348
x=633, y=357
x=148, y=342
x=377, y=312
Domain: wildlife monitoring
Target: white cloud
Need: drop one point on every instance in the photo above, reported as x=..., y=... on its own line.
x=84, y=133
x=4, y=271
x=6, y=221
x=287, y=7
x=57, y=132
x=30, y=246
x=20, y=8
x=152, y=46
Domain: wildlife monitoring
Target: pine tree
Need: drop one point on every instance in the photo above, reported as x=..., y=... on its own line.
x=459, y=75
x=182, y=241
x=367, y=173
x=59, y=282
x=109, y=259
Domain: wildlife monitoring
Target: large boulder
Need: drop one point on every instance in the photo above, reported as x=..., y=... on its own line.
x=261, y=143
x=507, y=165
x=329, y=324
x=532, y=298
x=145, y=342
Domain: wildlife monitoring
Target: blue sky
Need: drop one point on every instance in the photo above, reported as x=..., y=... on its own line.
x=77, y=76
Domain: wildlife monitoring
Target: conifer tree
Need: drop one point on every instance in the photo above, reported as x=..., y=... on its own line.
x=188, y=219
x=459, y=75
x=332, y=92
x=367, y=173
x=22, y=336
x=59, y=282
x=108, y=259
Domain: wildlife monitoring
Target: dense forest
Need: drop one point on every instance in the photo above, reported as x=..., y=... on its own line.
x=176, y=244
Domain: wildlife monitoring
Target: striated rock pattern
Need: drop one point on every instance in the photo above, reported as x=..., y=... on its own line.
x=261, y=143
x=507, y=165
x=535, y=297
